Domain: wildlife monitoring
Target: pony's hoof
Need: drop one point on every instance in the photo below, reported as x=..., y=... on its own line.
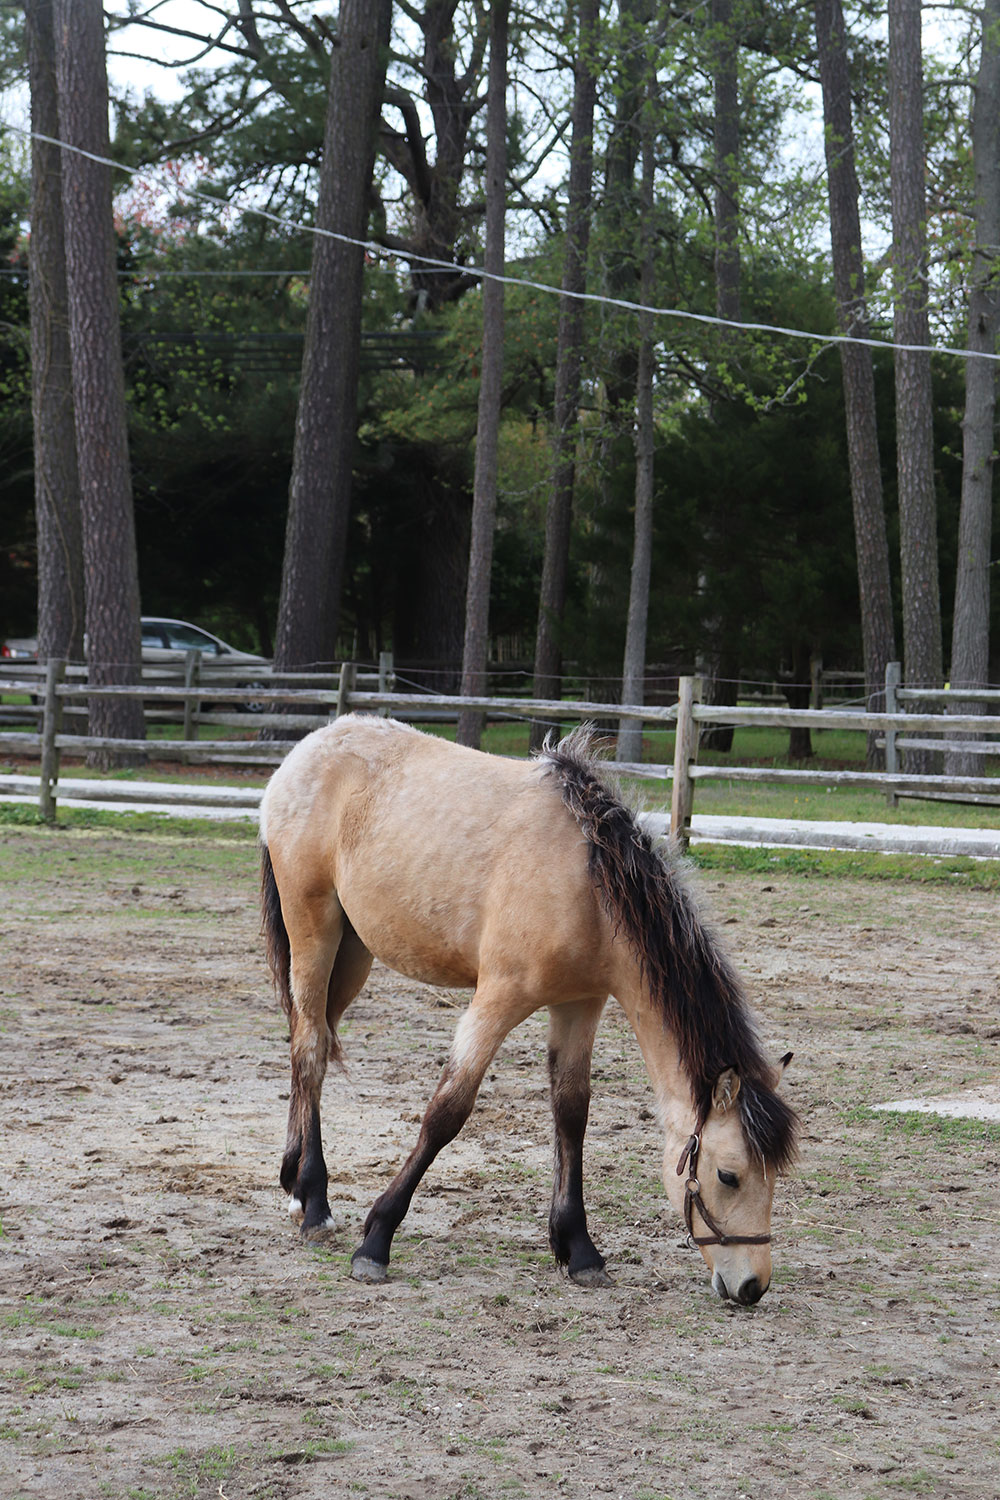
x=371, y=1271
x=591, y=1276
x=317, y=1232
x=295, y=1209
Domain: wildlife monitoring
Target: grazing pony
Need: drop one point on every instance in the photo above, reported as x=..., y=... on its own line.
x=531, y=883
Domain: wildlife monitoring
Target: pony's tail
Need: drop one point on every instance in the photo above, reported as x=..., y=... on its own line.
x=272, y=923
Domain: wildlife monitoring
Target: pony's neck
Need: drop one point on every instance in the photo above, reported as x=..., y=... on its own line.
x=671, y=1086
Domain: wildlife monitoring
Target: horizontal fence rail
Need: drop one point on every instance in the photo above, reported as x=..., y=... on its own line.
x=321, y=697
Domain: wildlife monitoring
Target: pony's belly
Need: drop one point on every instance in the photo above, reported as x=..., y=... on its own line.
x=428, y=963
x=453, y=976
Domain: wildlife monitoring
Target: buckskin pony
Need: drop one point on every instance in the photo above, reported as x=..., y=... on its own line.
x=531, y=883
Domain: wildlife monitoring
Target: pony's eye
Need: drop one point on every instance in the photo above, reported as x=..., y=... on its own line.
x=728, y=1179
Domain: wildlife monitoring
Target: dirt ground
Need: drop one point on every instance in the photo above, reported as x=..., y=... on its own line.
x=164, y=1332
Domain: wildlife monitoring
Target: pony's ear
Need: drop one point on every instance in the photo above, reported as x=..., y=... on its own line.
x=727, y=1086
x=786, y=1060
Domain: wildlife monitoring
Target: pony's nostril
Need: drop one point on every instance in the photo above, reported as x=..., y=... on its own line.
x=719, y=1286
x=750, y=1291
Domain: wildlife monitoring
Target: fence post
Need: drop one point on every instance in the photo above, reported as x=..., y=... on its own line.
x=348, y=679
x=192, y=679
x=55, y=671
x=893, y=679
x=815, y=681
x=685, y=752
x=386, y=677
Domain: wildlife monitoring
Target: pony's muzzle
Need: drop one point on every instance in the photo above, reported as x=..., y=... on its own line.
x=748, y=1292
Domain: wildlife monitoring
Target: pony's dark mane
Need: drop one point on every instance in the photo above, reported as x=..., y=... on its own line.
x=687, y=976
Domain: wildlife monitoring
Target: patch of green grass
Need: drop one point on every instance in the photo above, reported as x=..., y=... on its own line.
x=68, y=817
x=329, y=1445
x=34, y=1313
x=199, y=1472
x=921, y=1482
x=938, y=1127
x=953, y=870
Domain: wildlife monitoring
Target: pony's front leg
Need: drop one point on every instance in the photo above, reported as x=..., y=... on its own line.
x=479, y=1034
x=572, y=1027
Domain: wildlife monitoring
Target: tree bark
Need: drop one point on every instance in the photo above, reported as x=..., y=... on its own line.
x=629, y=746
x=922, y=657
x=620, y=205
x=57, y=484
x=726, y=155
x=718, y=666
x=569, y=348
x=110, y=567
x=619, y=364
x=484, y=494
x=453, y=99
x=970, y=644
x=326, y=421
x=857, y=371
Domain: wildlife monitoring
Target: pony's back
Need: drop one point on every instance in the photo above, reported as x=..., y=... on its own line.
x=445, y=860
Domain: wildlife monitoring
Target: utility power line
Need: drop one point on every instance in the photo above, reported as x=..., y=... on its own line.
x=480, y=274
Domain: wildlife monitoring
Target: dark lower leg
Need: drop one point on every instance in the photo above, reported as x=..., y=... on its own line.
x=303, y=1169
x=568, y=1234
x=316, y=926
x=446, y=1114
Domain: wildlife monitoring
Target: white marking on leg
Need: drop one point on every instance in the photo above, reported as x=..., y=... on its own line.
x=295, y=1209
x=467, y=1046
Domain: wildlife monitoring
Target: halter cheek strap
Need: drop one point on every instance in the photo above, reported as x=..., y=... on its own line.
x=692, y=1196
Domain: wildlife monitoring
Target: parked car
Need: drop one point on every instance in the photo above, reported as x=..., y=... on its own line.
x=168, y=640
x=163, y=640
x=25, y=649
x=165, y=643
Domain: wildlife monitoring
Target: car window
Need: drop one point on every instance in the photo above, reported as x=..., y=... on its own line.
x=190, y=638
x=152, y=635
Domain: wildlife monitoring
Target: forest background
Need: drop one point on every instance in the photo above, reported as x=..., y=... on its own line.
x=768, y=498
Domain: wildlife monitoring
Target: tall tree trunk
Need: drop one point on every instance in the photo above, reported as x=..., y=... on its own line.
x=914, y=410
x=559, y=514
x=623, y=269
x=629, y=746
x=484, y=494
x=718, y=665
x=320, y=488
x=110, y=568
x=970, y=642
x=57, y=484
x=857, y=371
x=622, y=272
x=726, y=156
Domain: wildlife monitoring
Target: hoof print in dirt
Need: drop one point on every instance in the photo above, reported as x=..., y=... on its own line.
x=370, y=1271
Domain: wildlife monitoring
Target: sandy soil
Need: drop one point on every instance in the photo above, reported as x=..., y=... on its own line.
x=164, y=1332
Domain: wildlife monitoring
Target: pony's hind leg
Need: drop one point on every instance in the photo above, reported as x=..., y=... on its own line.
x=316, y=929
x=481, y=1030
x=572, y=1027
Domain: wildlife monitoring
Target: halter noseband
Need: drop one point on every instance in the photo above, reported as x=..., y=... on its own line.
x=692, y=1196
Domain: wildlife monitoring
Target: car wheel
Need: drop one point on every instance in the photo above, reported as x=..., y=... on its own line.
x=254, y=705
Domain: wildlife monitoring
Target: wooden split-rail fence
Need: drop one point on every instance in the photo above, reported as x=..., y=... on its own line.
x=305, y=702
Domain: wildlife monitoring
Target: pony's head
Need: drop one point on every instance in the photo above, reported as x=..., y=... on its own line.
x=723, y=1181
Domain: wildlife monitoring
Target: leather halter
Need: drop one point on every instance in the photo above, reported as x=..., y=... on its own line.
x=692, y=1197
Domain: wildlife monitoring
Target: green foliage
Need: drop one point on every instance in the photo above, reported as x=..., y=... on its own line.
x=439, y=407
x=753, y=533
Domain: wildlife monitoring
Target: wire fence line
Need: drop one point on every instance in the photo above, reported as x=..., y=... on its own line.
x=380, y=252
